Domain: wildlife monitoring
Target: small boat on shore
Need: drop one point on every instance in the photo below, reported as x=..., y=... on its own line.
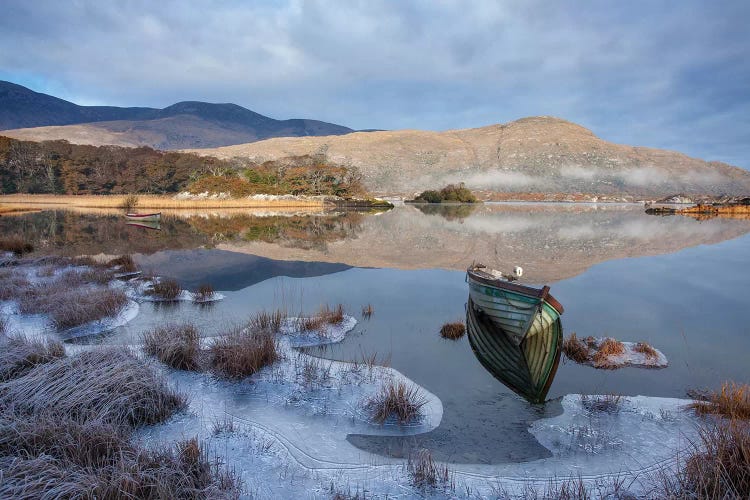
x=155, y=217
x=515, y=331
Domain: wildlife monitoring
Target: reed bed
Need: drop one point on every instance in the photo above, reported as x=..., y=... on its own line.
x=242, y=352
x=325, y=316
x=111, y=385
x=396, y=400
x=166, y=289
x=175, y=345
x=204, y=292
x=18, y=355
x=147, y=201
x=453, y=331
x=731, y=401
x=268, y=322
x=15, y=244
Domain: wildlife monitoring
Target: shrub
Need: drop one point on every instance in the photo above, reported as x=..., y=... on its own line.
x=396, y=400
x=166, y=289
x=177, y=346
x=16, y=244
x=453, y=331
x=452, y=193
x=242, y=352
x=18, y=355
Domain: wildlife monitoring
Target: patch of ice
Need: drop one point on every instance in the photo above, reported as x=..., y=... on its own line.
x=128, y=313
x=329, y=334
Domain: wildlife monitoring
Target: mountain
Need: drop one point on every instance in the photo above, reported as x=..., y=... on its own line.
x=540, y=156
x=29, y=115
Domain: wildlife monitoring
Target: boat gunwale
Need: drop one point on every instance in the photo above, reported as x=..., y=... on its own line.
x=540, y=293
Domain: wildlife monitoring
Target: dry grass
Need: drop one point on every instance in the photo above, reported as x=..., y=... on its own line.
x=3, y=325
x=242, y=351
x=204, y=292
x=83, y=306
x=367, y=311
x=15, y=244
x=111, y=385
x=18, y=355
x=575, y=349
x=732, y=401
x=150, y=201
x=177, y=346
x=166, y=289
x=12, y=284
x=425, y=472
x=453, y=331
x=129, y=203
x=646, y=350
x=268, y=322
x=325, y=316
x=396, y=401
x=608, y=348
x=607, y=403
x=125, y=263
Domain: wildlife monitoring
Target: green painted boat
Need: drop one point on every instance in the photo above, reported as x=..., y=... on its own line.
x=515, y=331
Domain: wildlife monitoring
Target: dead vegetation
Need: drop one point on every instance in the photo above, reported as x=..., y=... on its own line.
x=268, y=322
x=731, y=401
x=367, y=311
x=204, y=292
x=425, y=472
x=174, y=345
x=325, y=316
x=575, y=349
x=19, y=355
x=608, y=349
x=166, y=289
x=242, y=351
x=453, y=331
x=646, y=350
x=65, y=429
x=397, y=401
x=606, y=403
x=124, y=263
x=16, y=244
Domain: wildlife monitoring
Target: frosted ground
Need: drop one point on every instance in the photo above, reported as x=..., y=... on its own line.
x=284, y=429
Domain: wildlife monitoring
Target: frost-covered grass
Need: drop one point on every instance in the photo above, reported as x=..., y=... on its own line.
x=166, y=289
x=205, y=292
x=732, y=401
x=453, y=331
x=396, y=400
x=18, y=355
x=425, y=472
x=241, y=352
x=175, y=345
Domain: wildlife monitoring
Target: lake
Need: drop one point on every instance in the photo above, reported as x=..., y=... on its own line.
x=678, y=283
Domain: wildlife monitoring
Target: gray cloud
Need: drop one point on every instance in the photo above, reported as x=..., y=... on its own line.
x=640, y=72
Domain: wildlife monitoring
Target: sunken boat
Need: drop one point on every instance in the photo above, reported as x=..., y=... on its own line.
x=515, y=331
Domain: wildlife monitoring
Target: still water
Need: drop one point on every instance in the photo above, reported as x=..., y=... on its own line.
x=677, y=283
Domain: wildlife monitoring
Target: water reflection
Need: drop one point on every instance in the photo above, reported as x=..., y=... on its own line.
x=448, y=212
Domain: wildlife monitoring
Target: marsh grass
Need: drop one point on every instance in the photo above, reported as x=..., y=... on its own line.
x=607, y=349
x=204, y=292
x=367, y=311
x=111, y=385
x=124, y=262
x=268, y=322
x=129, y=203
x=18, y=354
x=166, y=289
x=175, y=345
x=606, y=403
x=575, y=349
x=731, y=401
x=453, y=331
x=83, y=306
x=311, y=371
x=425, y=472
x=3, y=326
x=242, y=351
x=15, y=244
x=396, y=400
x=326, y=315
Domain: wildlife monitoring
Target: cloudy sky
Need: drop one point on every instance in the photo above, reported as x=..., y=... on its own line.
x=665, y=74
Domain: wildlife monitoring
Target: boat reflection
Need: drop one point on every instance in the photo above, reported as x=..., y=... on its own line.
x=154, y=225
x=515, y=332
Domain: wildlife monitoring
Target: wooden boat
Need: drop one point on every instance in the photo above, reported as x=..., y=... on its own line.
x=155, y=225
x=515, y=331
x=155, y=217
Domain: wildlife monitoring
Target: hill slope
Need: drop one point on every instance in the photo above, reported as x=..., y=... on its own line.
x=29, y=115
x=533, y=155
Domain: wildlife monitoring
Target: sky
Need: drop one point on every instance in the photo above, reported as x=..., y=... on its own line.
x=666, y=74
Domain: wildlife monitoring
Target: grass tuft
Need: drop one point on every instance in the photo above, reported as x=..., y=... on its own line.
x=731, y=401
x=267, y=322
x=124, y=262
x=83, y=306
x=325, y=316
x=18, y=355
x=425, y=472
x=177, y=346
x=606, y=403
x=166, y=289
x=646, y=350
x=608, y=348
x=575, y=349
x=453, y=331
x=368, y=311
x=16, y=244
x=204, y=292
x=242, y=351
x=396, y=401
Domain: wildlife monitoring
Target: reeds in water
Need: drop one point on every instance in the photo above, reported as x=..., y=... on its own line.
x=204, y=292
x=242, y=351
x=166, y=289
x=174, y=345
x=575, y=349
x=453, y=331
x=396, y=400
x=326, y=315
